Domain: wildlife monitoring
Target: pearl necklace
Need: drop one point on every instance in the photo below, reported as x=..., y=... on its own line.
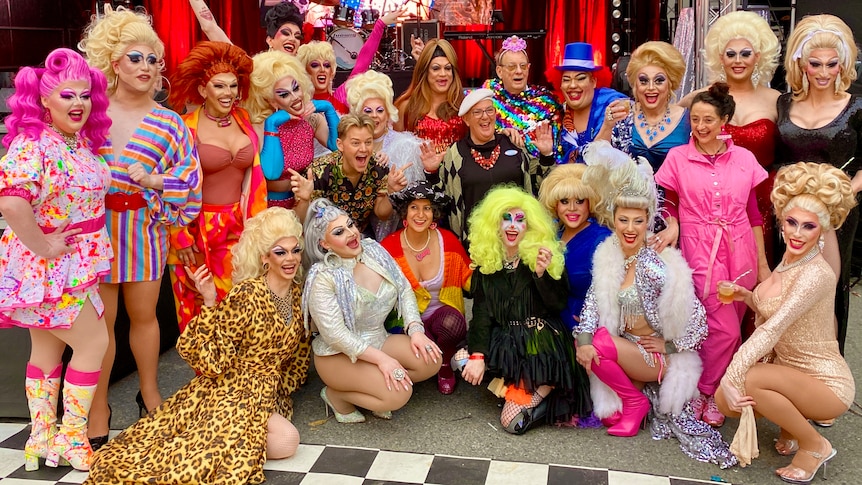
x=653, y=131
x=71, y=140
x=782, y=266
x=421, y=253
x=628, y=262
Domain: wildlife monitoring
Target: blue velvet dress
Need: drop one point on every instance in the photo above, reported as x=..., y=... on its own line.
x=579, y=265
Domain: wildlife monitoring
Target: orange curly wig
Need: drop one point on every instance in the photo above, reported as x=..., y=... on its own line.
x=204, y=61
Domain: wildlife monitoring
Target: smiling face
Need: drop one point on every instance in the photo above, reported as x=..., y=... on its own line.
x=440, y=75
x=739, y=60
x=69, y=106
x=481, y=120
x=322, y=72
x=375, y=108
x=284, y=258
x=513, y=71
x=573, y=213
x=822, y=69
x=512, y=229
x=220, y=93
x=802, y=231
x=705, y=123
x=342, y=238
x=355, y=147
x=288, y=95
x=420, y=215
x=630, y=227
x=137, y=69
x=652, y=88
x=578, y=89
x=287, y=39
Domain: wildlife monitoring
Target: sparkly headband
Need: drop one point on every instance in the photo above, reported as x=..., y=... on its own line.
x=514, y=44
x=322, y=213
x=798, y=54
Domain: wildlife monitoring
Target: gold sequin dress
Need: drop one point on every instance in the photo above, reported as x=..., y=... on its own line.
x=799, y=325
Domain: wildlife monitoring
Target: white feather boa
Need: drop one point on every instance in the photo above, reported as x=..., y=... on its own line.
x=676, y=304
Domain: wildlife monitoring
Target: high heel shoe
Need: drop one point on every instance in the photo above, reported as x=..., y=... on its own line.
x=822, y=460
x=97, y=442
x=142, y=407
x=387, y=415
x=446, y=380
x=354, y=417
x=786, y=446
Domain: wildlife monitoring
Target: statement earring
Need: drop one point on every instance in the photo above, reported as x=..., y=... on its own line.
x=805, y=84
x=724, y=135
x=265, y=267
x=433, y=226
x=838, y=83
x=781, y=234
x=821, y=242
x=404, y=222
x=755, y=77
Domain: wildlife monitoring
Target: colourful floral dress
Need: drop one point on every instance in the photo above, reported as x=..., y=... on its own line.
x=62, y=184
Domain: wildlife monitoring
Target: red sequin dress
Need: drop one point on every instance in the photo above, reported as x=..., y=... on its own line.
x=442, y=133
x=760, y=138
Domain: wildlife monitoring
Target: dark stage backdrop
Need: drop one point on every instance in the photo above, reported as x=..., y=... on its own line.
x=847, y=10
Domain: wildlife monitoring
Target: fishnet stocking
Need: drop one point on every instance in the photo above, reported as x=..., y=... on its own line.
x=448, y=328
x=282, y=438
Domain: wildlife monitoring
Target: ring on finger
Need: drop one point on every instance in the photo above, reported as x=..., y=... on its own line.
x=428, y=347
x=398, y=374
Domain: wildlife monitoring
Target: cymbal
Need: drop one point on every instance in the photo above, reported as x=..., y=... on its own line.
x=327, y=3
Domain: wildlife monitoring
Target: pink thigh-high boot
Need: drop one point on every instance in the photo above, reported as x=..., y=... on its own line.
x=635, y=403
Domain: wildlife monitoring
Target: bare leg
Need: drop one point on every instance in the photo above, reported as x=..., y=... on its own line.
x=87, y=337
x=357, y=384
x=141, y=298
x=282, y=438
x=789, y=398
x=46, y=350
x=398, y=347
x=632, y=361
x=99, y=412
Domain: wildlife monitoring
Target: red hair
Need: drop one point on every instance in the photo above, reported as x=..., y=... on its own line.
x=204, y=61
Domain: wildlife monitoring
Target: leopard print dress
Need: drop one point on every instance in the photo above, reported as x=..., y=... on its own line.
x=213, y=430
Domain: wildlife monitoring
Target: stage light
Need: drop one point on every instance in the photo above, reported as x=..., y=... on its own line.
x=615, y=37
x=616, y=3
x=616, y=14
x=615, y=48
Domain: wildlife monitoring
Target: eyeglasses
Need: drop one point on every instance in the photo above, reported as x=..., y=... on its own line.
x=514, y=67
x=490, y=112
x=744, y=53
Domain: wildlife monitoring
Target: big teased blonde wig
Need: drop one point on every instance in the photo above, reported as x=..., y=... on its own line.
x=566, y=182
x=815, y=187
x=258, y=237
x=486, y=244
x=107, y=39
x=269, y=68
x=819, y=32
x=371, y=85
x=661, y=55
x=748, y=26
x=317, y=50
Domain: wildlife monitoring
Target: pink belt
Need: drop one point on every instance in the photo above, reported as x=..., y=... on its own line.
x=86, y=227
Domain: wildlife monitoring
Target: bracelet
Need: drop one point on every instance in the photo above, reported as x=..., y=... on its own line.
x=670, y=347
x=270, y=133
x=584, y=338
x=477, y=357
x=414, y=327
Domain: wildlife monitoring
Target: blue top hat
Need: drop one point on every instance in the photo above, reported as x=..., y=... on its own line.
x=578, y=57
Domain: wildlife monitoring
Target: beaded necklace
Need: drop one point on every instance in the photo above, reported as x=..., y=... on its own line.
x=221, y=122
x=653, y=131
x=71, y=140
x=421, y=253
x=524, y=110
x=483, y=162
x=782, y=266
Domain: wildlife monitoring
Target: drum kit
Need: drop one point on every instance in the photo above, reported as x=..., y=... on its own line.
x=347, y=30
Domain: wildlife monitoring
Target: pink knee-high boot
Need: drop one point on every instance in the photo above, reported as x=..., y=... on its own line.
x=635, y=404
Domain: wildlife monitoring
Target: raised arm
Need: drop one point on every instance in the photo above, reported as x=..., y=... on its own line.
x=207, y=22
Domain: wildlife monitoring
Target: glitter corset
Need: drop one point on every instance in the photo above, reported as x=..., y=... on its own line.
x=631, y=307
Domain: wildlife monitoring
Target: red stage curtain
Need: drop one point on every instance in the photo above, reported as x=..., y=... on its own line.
x=178, y=28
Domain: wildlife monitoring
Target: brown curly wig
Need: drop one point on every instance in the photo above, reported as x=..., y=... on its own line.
x=204, y=61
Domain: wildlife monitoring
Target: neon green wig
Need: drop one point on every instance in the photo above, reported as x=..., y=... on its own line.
x=486, y=243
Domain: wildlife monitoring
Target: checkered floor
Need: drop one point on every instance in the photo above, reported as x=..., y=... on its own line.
x=336, y=465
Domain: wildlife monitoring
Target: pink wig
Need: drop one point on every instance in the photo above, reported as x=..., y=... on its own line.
x=31, y=83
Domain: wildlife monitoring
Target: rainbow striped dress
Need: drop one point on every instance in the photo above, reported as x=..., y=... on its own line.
x=162, y=143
